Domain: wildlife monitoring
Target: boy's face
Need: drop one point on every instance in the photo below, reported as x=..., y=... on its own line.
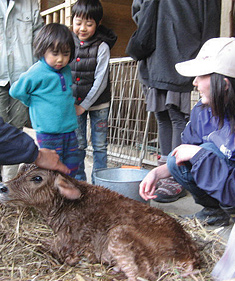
x=84, y=28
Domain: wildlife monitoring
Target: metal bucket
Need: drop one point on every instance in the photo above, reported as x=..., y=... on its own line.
x=122, y=180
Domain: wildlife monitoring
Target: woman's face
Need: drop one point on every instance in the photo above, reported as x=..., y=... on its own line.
x=203, y=85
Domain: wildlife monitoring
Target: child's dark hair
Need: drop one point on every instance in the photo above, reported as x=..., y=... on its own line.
x=223, y=99
x=54, y=36
x=88, y=9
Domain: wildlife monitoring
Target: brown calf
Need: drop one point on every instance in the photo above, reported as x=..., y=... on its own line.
x=102, y=225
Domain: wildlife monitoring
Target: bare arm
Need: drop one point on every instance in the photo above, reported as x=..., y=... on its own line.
x=148, y=185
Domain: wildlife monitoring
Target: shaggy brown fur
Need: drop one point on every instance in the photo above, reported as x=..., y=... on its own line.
x=102, y=225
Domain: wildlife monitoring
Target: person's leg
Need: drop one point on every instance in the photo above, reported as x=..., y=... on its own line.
x=178, y=122
x=70, y=152
x=18, y=113
x=4, y=102
x=229, y=210
x=164, y=133
x=81, y=134
x=212, y=213
x=99, y=133
x=184, y=177
x=168, y=190
x=51, y=141
x=65, y=145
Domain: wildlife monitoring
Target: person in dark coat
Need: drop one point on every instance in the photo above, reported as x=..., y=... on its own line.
x=183, y=26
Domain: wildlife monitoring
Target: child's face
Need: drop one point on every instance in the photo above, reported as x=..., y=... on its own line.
x=84, y=28
x=57, y=59
x=203, y=85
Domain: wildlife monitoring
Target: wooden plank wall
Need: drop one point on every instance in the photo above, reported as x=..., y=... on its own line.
x=117, y=16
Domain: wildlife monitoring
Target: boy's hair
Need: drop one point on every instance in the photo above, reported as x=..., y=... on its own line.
x=88, y=9
x=54, y=36
x=223, y=99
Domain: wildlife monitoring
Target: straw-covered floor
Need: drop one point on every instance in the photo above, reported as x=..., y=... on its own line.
x=23, y=233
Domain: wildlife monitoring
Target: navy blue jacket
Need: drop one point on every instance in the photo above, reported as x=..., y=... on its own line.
x=16, y=146
x=210, y=172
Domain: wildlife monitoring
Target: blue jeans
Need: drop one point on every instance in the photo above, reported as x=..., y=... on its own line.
x=99, y=132
x=183, y=176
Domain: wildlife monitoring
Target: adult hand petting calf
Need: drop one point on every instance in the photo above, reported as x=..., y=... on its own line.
x=49, y=159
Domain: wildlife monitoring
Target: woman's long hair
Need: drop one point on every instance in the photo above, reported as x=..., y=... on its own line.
x=222, y=100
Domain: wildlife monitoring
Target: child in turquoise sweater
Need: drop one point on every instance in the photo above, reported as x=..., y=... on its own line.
x=46, y=89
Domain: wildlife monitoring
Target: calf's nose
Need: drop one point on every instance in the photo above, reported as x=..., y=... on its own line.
x=3, y=188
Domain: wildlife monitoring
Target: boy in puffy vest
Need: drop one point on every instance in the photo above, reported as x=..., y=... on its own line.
x=91, y=87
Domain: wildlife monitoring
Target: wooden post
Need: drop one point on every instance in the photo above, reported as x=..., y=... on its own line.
x=62, y=16
x=68, y=15
x=226, y=25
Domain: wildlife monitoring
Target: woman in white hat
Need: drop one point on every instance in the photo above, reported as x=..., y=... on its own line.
x=205, y=163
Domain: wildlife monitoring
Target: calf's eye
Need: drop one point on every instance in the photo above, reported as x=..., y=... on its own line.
x=37, y=179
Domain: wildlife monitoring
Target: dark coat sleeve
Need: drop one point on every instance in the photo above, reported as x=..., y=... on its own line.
x=16, y=146
x=183, y=26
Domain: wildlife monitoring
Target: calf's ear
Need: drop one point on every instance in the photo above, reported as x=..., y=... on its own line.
x=67, y=188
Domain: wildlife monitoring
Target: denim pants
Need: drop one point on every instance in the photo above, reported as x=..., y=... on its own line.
x=183, y=176
x=99, y=132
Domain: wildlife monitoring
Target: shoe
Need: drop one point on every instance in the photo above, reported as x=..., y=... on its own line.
x=230, y=211
x=169, y=190
x=162, y=160
x=211, y=216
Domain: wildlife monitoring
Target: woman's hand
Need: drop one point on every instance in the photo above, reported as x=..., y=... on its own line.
x=185, y=152
x=147, y=187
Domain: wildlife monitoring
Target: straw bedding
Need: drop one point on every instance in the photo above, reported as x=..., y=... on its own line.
x=23, y=255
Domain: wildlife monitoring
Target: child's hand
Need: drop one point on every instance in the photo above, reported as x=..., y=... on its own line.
x=79, y=109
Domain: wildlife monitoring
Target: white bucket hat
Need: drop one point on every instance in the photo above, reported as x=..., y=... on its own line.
x=217, y=55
